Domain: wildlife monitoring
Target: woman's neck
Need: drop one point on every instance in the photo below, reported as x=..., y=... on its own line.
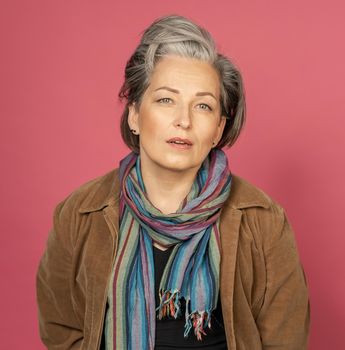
x=166, y=188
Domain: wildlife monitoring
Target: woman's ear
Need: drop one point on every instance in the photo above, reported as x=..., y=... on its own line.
x=133, y=118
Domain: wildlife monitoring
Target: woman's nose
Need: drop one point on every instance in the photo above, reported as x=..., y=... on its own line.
x=183, y=117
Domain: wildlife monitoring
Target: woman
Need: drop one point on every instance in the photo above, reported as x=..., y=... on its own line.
x=172, y=250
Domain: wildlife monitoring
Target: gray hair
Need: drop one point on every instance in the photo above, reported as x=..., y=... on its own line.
x=178, y=35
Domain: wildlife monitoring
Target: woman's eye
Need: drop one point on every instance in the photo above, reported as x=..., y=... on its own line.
x=207, y=106
x=164, y=99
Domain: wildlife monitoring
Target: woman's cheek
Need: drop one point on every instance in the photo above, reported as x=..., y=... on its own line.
x=207, y=134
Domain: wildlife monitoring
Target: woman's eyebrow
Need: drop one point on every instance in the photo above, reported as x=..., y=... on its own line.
x=200, y=93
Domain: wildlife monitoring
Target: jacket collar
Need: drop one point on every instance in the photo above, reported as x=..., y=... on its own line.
x=107, y=188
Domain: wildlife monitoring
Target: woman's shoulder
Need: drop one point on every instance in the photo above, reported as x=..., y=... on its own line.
x=93, y=194
x=244, y=194
x=264, y=216
x=260, y=207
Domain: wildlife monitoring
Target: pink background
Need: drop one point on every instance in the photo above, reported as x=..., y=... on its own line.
x=62, y=64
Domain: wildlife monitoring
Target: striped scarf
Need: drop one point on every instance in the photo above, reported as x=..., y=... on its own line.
x=192, y=271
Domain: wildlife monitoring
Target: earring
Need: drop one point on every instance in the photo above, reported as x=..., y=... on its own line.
x=133, y=131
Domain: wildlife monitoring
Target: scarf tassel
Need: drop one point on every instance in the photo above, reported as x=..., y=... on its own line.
x=170, y=306
x=197, y=320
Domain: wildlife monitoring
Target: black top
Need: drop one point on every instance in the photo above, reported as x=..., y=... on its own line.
x=170, y=331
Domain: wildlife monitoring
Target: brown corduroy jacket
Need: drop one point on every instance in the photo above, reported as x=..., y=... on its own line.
x=263, y=288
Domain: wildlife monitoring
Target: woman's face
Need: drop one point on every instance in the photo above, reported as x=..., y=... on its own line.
x=180, y=115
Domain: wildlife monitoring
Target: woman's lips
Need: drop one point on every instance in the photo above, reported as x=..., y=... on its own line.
x=180, y=143
x=180, y=146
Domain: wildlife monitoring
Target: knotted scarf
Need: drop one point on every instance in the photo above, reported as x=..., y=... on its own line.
x=192, y=271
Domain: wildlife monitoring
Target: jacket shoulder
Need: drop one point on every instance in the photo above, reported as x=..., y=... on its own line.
x=92, y=193
x=245, y=194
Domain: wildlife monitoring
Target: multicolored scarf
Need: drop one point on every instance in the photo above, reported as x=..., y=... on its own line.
x=192, y=271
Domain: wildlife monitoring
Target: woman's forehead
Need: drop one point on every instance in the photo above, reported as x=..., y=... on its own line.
x=180, y=73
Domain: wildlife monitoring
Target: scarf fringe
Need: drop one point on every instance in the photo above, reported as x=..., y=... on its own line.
x=170, y=306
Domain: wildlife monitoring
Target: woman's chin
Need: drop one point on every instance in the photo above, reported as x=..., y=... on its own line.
x=177, y=164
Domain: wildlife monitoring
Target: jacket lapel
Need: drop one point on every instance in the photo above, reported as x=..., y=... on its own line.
x=242, y=195
x=229, y=224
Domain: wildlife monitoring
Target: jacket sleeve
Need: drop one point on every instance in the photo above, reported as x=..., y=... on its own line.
x=58, y=324
x=284, y=318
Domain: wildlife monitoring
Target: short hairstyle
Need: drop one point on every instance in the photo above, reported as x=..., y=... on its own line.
x=178, y=35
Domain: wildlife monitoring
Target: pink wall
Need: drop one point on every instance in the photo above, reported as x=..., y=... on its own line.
x=61, y=67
